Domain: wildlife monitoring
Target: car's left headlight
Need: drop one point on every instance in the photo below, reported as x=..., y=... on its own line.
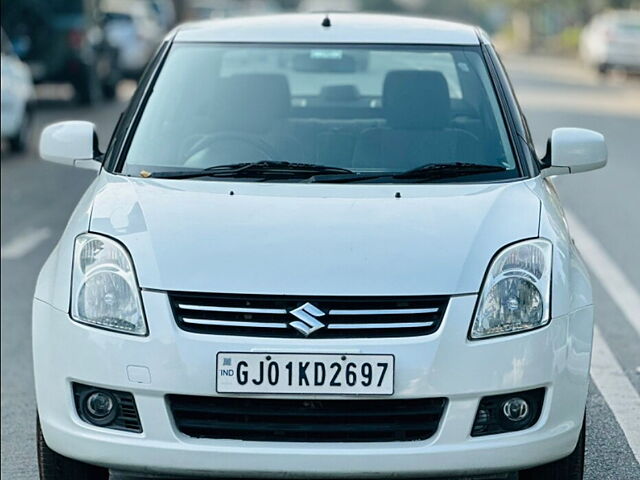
x=104, y=290
x=515, y=296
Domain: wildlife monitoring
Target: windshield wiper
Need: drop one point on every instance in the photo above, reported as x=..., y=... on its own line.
x=448, y=170
x=429, y=171
x=265, y=167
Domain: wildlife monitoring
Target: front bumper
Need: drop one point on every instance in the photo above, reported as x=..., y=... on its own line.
x=445, y=364
x=624, y=57
x=11, y=116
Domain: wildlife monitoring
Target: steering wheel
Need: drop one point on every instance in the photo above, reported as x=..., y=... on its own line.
x=264, y=150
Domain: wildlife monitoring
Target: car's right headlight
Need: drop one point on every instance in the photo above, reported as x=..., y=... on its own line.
x=516, y=293
x=104, y=291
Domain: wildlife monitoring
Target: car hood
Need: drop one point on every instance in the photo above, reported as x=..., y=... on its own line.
x=312, y=239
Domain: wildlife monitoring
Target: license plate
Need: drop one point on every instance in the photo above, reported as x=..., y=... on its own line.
x=302, y=373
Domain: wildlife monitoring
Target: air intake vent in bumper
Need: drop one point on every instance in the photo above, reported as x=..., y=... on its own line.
x=275, y=420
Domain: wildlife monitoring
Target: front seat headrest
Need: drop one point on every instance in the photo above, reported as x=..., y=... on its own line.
x=251, y=102
x=416, y=99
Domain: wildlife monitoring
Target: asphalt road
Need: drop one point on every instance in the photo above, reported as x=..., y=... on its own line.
x=38, y=197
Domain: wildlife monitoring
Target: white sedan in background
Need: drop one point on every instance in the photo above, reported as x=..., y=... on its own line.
x=17, y=98
x=611, y=41
x=135, y=30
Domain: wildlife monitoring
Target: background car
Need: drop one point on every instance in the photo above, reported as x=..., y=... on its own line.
x=64, y=41
x=206, y=9
x=17, y=98
x=612, y=41
x=133, y=28
x=330, y=5
x=164, y=11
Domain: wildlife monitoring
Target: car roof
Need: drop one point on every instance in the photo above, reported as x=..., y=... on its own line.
x=345, y=28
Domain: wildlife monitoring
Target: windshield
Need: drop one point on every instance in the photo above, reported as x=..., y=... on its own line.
x=366, y=109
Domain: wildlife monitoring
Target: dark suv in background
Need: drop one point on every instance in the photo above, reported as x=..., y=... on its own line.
x=64, y=41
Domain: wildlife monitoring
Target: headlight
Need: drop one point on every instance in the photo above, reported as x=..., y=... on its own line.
x=104, y=289
x=516, y=291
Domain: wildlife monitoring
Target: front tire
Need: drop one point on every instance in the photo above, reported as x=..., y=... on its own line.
x=109, y=91
x=53, y=466
x=110, y=82
x=603, y=69
x=88, y=88
x=568, y=468
x=20, y=141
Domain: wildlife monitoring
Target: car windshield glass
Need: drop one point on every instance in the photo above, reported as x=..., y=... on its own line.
x=373, y=110
x=631, y=26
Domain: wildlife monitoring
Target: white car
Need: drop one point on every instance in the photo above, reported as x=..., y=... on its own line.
x=206, y=9
x=309, y=270
x=17, y=98
x=134, y=29
x=329, y=6
x=164, y=12
x=611, y=41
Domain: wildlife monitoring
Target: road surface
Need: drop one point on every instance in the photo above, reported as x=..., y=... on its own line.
x=38, y=197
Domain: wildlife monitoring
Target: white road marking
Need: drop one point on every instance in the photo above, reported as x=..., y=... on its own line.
x=606, y=372
x=24, y=244
x=611, y=277
x=615, y=387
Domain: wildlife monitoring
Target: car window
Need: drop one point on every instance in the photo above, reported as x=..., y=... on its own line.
x=362, y=108
x=630, y=26
x=368, y=81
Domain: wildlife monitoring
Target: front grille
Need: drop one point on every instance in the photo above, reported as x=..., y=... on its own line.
x=275, y=420
x=318, y=317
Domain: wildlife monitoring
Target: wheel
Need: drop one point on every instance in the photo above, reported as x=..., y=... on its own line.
x=603, y=69
x=88, y=88
x=109, y=90
x=107, y=70
x=53, y=466
x=20, y=141
x=568, y=468
x=109, y=84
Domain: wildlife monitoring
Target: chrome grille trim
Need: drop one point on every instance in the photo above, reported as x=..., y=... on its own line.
x=396, y=311
x=233, y=323
x=353, y=326
x=281, y=311
x=208, y=308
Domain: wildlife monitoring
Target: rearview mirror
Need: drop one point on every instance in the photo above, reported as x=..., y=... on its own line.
x=574, y=150
x=72, y=143
x=327, y=63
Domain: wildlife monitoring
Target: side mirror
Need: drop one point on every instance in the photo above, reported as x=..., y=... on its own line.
x=574, y=150
x=72, y=143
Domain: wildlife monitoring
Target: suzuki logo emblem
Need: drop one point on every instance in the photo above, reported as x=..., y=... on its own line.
x=308, y=322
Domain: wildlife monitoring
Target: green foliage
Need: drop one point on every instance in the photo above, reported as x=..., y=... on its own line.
x=565, y=43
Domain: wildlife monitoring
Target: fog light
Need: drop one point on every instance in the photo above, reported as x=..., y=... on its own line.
x=99, y=404
x=106, y=408
x=515, y=409
x=508, y=412
x=98, y=407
